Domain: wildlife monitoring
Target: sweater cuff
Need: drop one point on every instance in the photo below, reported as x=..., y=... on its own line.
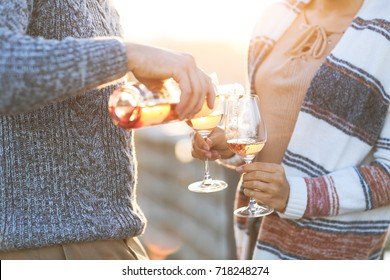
x=297, y=201
x=107, y=60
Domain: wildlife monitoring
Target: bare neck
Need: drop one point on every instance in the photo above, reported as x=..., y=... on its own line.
x=341, y=7
x=334, y=15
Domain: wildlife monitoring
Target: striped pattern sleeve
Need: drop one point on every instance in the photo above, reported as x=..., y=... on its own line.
x=344, y=121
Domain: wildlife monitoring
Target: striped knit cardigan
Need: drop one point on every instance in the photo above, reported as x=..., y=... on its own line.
x=338, y=159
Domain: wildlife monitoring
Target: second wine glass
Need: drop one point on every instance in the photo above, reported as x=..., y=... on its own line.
x=204, y=126
x=246, y=136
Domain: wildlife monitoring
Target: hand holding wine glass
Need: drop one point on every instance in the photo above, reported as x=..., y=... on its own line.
x=204, y=126
x=246, y=136
x=266, y=182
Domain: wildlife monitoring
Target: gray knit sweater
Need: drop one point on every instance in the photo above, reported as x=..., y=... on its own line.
x=67, y=174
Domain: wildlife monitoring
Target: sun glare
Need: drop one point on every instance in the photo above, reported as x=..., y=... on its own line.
x=213, y=20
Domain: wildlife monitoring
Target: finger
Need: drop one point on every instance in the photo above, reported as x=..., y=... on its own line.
x=260, y=197
x=211, y=95
x=217, y=135
x=200, y=147
x=201, y=154
x=249, y=192
x=185, y=96
x=194, y=98
x=257, y=185
x=199, y=142
x=199, y=91
x=261, y=166
x=214, y=155
x=263, y=176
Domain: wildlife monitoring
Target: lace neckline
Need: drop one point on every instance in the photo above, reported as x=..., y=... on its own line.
x=313, y=41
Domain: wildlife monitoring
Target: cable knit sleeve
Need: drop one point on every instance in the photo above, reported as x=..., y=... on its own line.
x=35, y=71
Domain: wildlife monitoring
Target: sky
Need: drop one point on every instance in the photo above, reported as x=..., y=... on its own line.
x=212, y=20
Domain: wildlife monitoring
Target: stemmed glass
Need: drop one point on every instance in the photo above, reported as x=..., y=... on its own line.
x=204, y=125
x=246, y=136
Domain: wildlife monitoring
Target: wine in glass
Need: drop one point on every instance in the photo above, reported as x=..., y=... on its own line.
x=246, y=136
x=204, y=125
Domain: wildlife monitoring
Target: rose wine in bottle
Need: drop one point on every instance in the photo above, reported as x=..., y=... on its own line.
x=133, y=105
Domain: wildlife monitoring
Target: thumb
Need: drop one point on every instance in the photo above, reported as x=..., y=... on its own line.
x=202, y=142
x=209, y=142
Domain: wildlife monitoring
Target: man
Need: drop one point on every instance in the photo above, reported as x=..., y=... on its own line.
x=67, y=174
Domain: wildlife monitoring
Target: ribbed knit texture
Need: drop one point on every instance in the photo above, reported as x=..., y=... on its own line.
x=67, y=174
x=337, y=161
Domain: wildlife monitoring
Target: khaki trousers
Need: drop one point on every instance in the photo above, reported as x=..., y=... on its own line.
x=128, y=249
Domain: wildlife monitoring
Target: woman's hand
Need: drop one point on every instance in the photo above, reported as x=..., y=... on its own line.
x=267, y=183
x=212, y=148
x=152, y=65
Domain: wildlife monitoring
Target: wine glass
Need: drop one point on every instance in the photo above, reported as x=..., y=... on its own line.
x=246, y=136
x=204, y=125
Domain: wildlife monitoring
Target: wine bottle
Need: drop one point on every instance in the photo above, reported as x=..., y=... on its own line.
x=133, y=105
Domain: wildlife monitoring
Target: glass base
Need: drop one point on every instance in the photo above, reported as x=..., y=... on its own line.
x=215, y=186
x=253, y=211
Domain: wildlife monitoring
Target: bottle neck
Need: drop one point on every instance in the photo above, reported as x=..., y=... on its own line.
x=230, y=90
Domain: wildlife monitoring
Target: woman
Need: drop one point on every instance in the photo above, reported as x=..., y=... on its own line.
x=323, y=84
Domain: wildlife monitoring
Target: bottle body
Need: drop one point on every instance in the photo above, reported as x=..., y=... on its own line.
x=133, y=105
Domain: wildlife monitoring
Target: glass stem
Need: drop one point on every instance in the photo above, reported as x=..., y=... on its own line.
x=207, y=177
x=252, y=202
x=207, y=180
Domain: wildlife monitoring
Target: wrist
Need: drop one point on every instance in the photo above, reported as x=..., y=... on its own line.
x=133, y=53
x=228, y=155
x=232, y=162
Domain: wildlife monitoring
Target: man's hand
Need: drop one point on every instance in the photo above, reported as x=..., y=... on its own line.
x=150, y=64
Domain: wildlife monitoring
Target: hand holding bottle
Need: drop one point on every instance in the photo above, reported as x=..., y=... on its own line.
x=151, y=65
x=135, y=105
